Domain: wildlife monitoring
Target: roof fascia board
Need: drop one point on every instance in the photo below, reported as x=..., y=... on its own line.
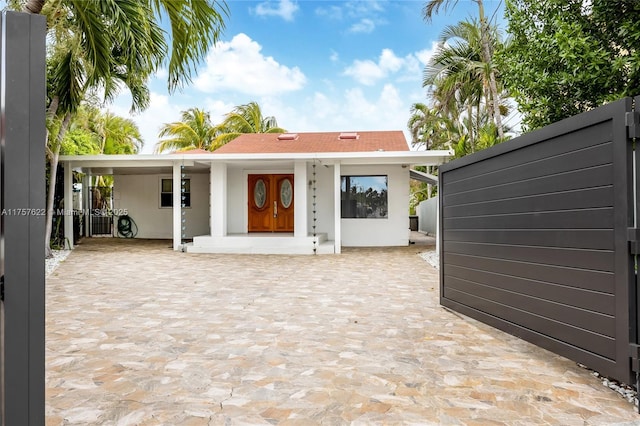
x=375, y=157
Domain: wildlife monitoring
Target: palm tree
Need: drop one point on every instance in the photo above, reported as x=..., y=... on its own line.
x=194, y=131
x=458, y=75
x=425, y=125
x=245, y=119
x=458, y=79
x=195, y=25
x=93, y=131
x=432, y=128
x=110, y=43
x=431, y=8
x=118, y=135
x=74, y=72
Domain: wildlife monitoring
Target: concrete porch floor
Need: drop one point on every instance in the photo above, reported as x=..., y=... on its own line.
x=138, y=334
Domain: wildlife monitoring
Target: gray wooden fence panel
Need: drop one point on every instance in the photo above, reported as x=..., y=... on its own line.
x=533, y=235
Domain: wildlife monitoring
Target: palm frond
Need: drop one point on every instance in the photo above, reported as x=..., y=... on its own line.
x=195, y=25
x=432, y=7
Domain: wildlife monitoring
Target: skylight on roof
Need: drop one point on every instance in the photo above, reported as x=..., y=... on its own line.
x=287, y=136
x=348, y=135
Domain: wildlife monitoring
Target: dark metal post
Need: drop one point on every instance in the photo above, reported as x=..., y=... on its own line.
x=22, y=139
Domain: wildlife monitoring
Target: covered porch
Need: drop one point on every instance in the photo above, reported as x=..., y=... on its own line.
x=210, y=213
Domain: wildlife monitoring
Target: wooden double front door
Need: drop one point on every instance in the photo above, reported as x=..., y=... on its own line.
x=271, y=203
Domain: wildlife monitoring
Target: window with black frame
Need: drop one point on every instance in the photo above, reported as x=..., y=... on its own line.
x=166, y=193
x=364, y=197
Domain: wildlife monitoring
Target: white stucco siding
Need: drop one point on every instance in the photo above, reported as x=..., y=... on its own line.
x=139, y=195
x=392, y=231
x=324, y=200
x=236, y=204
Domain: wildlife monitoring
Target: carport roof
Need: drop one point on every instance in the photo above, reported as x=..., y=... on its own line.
x=423, y=177
x=161, y=163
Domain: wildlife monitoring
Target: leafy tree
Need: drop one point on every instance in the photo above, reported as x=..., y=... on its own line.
x=118, y=135
x=569, y=56
x=245, y=119
x=194, y=131
x=79, y=142
x=432, y=7
x=457, y=117
x=431, y=128
x=460, y=77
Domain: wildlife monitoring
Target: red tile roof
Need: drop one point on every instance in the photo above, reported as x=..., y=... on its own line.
x=260, y=143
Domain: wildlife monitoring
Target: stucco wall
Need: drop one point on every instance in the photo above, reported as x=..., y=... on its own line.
x=392, y=231
x=140, y=196
x=427, y=212
x=236, y=201
x=324, y=200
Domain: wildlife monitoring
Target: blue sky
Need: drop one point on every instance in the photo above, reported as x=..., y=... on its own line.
x=314, y=65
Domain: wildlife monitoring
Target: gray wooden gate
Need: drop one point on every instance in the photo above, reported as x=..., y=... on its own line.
x=22, y=199
x=534, y=237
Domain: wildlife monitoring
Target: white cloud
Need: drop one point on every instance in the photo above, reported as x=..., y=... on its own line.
x=389, y=61
x=162, y=74
x=366, y=14
x=334, y=57
x=363, y=7
x=240, y=66
x=368, y=72
x=365, y=26
x=386, y=112
x=218, y=109
x=323, y=107
x=284, y=9
x=350, y=109
x=425, y=55
x=161, y=110
x=333, y=12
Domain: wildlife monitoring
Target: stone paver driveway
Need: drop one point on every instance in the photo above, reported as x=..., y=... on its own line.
x=140, y=335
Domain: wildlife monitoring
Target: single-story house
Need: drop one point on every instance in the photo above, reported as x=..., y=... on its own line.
x=267, y=193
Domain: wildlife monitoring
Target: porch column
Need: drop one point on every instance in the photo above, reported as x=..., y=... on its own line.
x=177, y=206
x=86, y=205
x=300, y=220
x=218, y=197
x=68, y=206
x=337, y=209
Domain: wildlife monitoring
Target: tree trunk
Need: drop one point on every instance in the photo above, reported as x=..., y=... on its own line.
x=496, y=104
x=488, y=58
x=478, y=117
x=470, y=130
x=52, y=109
x=53, y=165
x=33, y=6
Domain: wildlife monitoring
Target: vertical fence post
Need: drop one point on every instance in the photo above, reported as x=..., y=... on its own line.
x=22, y=139
x=634, y=296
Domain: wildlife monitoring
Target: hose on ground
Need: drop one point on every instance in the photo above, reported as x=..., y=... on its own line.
x=127, y=228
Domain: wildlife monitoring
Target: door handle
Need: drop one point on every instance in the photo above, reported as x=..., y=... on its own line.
x=275, y=209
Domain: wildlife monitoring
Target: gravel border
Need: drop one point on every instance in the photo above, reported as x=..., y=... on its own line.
x=431, y=257
x=52, y=263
